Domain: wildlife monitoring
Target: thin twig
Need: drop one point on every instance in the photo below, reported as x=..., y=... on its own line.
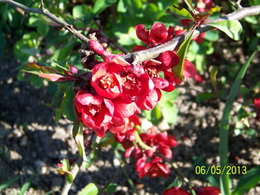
x=74, y=171
x=49, y=15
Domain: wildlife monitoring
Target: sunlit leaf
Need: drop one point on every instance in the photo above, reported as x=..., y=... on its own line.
x=178, y=70
x=232, y=28
x=248, y=181
x=181, y=12
x=101, y=5
x=90, y=189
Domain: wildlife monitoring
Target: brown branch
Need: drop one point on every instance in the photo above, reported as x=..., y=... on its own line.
x=140, y=56
x=49, y=15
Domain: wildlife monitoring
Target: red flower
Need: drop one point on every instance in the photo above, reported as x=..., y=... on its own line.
x=207, y=191
x=158, y=34
x=257, y=105
x=94, y=111
x=105, y=81
x=175, y=191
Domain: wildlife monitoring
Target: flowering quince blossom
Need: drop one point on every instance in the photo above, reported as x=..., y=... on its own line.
x=199, y=191
x=175, y=191
x=207, y=191
x=94, y=111
x=257, y=106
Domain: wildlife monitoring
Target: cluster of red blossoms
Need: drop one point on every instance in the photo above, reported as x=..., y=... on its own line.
x=146, y=152
x=199, y=191
x=117, y=91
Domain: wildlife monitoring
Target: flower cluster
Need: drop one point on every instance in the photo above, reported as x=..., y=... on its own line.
x=117, y=91
x=199, y=191
x=147, y=149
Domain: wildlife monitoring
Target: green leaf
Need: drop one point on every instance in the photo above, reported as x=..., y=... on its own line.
x=63, y=53
x=181, y=12
x=80, y=11
x=67, y=105
x=170, y=113
x=178, y=70
x=202, y=97
x=90, y=159
x=26, y=185
x=79, y=138
x=90, y=189
x=108, y=139
x=224, y=125
x=232, y=28
x=111, y=188
x=248, y=181
x=213, y=77
x=42, y=28
x=65, y=165
x=8, y=183
x=121, y=7
x=156, y=115
x=212, y=35
x=101, y=5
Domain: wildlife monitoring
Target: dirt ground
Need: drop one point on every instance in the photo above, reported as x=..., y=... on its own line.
x=32, y=144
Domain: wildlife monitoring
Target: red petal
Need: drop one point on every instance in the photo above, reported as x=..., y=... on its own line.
x=189, y=70
x=141, y=33
x=257, y=103
x=158, y=33
x=169, y=59
x=175, y=191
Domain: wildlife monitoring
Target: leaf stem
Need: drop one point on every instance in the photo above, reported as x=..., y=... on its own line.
x=140, y=142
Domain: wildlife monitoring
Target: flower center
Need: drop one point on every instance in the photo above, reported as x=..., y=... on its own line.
x=152, y=72
x=107, y=81
x=130, y=82
x=93, y=109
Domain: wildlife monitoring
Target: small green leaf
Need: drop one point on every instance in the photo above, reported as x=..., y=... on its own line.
x=248, y=181
x=90, y=189
x=210, y=12
x=111, y=188
x=65, y=165
x=181, y=12
x=8, y=183
x=67, y=105
x=101, y=5
x=232, y=28
x=213, y=77
x=212, y=35
x=80, y=11
x=156, y=115
x=170, y=113
x=90, y=159
x=79, y=138
x=107, y=140
x=202, y=97
x=26, y=185
x=178, y=70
